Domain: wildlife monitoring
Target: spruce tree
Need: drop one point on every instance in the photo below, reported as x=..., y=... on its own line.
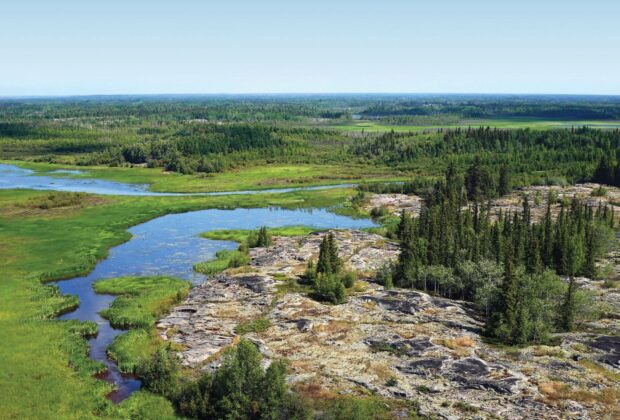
x=328, y=263
x=324, y=265
x=503, y=187
x=567, y=312
x=334, y=260
x=589, y=266
x=604, y=173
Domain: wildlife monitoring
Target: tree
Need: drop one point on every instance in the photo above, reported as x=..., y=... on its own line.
x=160, y=374
x=478, y=181
x=604, y=173
x=589, y=268
x=503, y=187
x=324, y=265
x=335, y=261
x=567, y=314
x=328, y=263
x=237, y=383
x=405, y=270
x=330, y=288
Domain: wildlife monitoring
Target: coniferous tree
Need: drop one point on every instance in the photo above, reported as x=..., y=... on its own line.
x=503, y=187
x=604, y=173
x=334, y=260
x=589, y=268
x=567, y=314
x=324, y=265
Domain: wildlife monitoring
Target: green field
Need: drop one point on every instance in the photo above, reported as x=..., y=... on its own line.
x=513, y=123
x=42, y=245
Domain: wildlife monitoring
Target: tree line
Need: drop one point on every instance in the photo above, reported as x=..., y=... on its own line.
x=570, y=153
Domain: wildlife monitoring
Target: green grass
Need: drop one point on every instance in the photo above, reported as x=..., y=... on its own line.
x=133, y=347
x=223, y=259
x=240, y=235
x=257, y=325
x=45, y=361
x=141, y=300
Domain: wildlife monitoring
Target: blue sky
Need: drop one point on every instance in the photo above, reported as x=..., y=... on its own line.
x=66, y=47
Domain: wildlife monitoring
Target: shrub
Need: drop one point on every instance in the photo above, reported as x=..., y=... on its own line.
x=160, y=374
x=349, y=279
x=379, y=212
x=384, y=276
x=599, y=192
x=329, y=288
x=240, y=388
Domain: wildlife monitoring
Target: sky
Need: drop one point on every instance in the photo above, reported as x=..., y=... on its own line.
x=69, y=47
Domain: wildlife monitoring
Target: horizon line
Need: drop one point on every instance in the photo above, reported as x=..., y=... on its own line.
x=360, y=93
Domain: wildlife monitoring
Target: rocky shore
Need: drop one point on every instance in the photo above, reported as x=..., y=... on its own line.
x=401, y=344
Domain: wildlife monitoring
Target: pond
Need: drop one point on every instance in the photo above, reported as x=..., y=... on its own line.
x=171, y=245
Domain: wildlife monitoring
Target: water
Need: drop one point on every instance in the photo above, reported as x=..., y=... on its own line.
x=13, y=177
x=170, y=245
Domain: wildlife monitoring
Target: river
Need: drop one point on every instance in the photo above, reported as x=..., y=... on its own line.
x=14, y=177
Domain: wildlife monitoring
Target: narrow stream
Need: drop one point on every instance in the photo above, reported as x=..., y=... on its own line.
x=170, y=245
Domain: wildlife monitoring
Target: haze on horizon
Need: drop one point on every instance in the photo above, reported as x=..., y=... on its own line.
x=70, y=47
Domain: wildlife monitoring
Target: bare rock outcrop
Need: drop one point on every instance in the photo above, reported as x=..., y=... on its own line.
x=398, y=343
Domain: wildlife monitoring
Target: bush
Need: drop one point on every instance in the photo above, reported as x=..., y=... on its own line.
x=329, y=288
x=160, y=374
x=384, y=276
x=599, y=192
x=240, y=389
x=349, y=279
x=379, y=212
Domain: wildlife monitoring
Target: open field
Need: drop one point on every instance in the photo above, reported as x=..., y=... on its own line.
x=513, y=123
x=43, y=245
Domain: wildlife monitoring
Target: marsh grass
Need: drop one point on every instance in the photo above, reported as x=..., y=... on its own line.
x=240, y=235
x=141, y=301
x=224, y=259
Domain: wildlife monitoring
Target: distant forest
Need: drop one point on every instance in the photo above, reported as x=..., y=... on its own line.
x=208, y=134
